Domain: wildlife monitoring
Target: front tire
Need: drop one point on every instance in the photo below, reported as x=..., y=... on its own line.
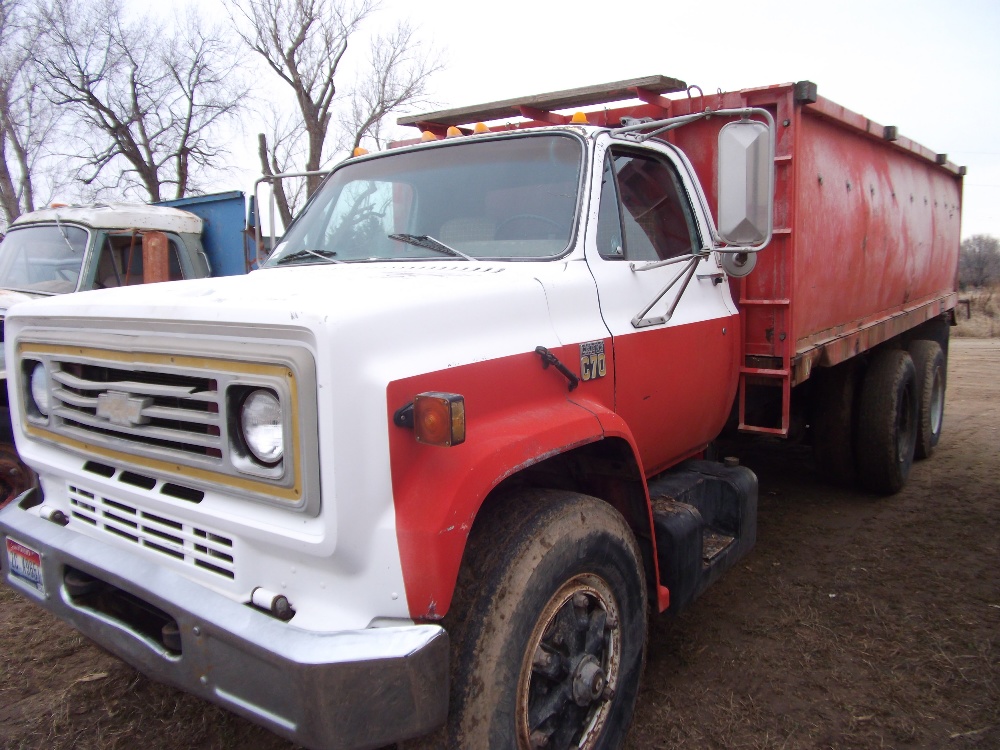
x=548, y=627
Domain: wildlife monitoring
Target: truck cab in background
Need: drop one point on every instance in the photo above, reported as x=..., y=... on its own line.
x=75, y=248
x=65, y=249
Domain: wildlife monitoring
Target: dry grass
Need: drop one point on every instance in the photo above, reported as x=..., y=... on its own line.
x=59, y=691
x=982, y=317
x=858, y=622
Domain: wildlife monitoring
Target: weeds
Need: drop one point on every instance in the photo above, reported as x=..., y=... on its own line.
x=980, y=318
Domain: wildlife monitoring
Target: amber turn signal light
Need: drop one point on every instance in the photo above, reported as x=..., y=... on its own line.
x=439, y=418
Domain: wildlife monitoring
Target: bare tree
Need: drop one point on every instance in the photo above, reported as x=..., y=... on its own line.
x=979, y=261
x=150, y=101
x=279, y=156
x=396, y=77
x=26, y=117
x=304, y=42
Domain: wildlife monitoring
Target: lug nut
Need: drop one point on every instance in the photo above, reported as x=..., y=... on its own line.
x=538, y=739
x=542, y=658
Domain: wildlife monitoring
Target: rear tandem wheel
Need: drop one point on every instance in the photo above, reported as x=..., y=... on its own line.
x=834, y=423
x=887, y=422
x=928, y=360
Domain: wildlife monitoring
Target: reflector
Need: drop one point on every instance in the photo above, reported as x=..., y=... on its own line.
x=439, y=418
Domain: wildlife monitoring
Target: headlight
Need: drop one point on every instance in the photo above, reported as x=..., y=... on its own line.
x=261, y=424
x=40, y=389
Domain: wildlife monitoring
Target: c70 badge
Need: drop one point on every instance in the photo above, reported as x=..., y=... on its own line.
x=592, y=362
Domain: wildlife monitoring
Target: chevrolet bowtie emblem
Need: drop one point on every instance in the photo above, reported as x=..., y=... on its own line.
x=123, y=408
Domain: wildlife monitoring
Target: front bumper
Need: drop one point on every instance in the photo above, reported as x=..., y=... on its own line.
x=343, y=690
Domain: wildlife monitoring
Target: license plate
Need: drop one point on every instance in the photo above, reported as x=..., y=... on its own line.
x=25, y=565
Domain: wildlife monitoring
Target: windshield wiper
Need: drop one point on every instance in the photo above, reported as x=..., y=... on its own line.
x=428, y=242
x=63, y=233
x=324, y=255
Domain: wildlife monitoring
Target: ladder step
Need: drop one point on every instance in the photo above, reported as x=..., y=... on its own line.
x=765, y=372
x=779, y=431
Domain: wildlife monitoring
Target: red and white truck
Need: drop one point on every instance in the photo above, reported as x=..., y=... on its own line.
x=428, y=469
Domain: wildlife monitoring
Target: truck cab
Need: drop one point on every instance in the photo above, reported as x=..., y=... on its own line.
x=429, y=468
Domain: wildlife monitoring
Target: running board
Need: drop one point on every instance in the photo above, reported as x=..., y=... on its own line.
x=705, y=519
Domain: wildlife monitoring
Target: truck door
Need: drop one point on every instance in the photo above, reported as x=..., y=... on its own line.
x=676, y=375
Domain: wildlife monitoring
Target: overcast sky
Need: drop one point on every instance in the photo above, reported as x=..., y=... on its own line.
x=930, y=68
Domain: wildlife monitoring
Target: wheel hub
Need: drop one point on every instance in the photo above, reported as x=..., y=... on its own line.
x=588, y=681
x=566, y=689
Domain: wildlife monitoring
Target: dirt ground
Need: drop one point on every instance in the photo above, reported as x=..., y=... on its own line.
x=857, y=622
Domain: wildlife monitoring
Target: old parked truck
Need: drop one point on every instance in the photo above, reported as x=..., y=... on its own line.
x=64, y=249
x=424, y=471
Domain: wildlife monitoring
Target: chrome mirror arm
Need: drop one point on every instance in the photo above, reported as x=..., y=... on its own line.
x=686, y=273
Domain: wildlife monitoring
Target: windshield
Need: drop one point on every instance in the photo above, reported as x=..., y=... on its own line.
x=45, y=259
x=500, y=198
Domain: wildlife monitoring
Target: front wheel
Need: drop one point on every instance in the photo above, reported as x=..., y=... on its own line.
x=548, y=627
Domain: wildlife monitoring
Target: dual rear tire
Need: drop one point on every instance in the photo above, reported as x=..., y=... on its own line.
x=868, y=427
x=928, y=361
x=887, y=422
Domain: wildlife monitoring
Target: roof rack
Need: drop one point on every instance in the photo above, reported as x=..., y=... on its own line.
x=539, y=106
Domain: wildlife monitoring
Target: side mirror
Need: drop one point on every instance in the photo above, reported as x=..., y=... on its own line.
x=746, y=184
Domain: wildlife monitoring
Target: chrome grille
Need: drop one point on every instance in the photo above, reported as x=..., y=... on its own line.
x=161, y=410
x=169, y=413
x=154, y=531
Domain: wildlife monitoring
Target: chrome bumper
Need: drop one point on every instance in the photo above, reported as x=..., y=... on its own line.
x=344, y=690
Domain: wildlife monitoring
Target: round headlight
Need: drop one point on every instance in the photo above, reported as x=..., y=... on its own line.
x=40, y=389
x=263, y=427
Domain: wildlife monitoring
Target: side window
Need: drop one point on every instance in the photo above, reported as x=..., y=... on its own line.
x=609, y=216
x=176, y=273
x=655, y=215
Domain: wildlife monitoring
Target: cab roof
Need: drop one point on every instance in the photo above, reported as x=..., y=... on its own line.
x=117, y=216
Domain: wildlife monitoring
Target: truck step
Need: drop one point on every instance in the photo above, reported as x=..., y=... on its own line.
x=705, y=520
x=713, y=544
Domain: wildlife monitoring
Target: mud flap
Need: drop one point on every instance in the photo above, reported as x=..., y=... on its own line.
x=705, y=519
